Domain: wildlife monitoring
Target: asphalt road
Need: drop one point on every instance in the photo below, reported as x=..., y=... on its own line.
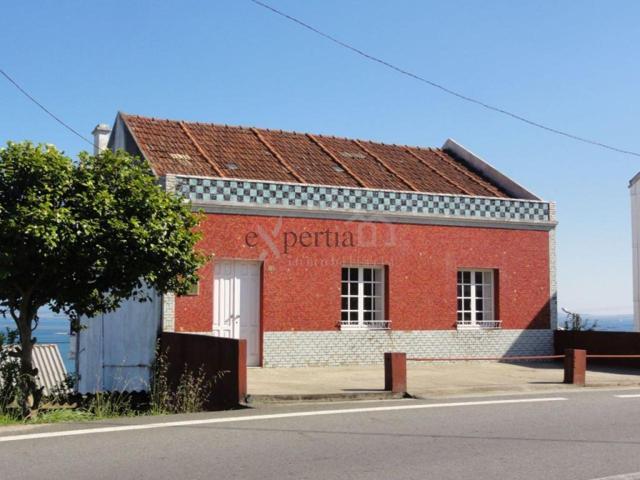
x=585, y=435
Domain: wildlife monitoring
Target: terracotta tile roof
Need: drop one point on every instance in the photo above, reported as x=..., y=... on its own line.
x=250, y=153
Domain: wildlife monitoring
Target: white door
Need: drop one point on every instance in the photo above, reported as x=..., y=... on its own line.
x=236, y=304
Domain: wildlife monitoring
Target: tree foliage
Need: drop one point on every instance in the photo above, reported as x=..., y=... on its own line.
x=577, y=323
x=81, y=237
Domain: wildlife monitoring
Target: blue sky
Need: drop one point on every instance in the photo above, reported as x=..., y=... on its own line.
x=572, y=65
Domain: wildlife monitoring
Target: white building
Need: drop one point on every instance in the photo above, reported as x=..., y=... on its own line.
x=634, y=190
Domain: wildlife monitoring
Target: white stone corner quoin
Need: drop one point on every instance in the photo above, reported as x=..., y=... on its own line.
x=169, y=312
x=553, y=265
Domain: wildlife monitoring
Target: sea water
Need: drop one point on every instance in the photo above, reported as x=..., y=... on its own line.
x=54, y=328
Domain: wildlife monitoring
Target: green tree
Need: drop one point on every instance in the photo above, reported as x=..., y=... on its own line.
x=81, y=237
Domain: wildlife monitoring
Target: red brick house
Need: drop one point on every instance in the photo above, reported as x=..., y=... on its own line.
x=330, y=250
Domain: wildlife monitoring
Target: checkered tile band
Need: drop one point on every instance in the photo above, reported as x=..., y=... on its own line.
x=312, y=197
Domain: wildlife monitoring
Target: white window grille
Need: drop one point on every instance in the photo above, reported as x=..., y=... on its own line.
x=362, y=298
x=476, y=299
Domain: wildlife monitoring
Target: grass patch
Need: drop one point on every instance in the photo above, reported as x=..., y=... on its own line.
x=48, y=416
x=6, y=419
x=111, y=405
x=62, y=415
x=190, y=392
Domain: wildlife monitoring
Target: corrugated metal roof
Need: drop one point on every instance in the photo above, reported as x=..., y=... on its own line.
x=51, y=369
x=48, y=361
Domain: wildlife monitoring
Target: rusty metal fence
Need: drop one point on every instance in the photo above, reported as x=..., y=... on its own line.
x=575, y=365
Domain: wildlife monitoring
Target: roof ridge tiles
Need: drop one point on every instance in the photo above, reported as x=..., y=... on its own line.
x=249, y=127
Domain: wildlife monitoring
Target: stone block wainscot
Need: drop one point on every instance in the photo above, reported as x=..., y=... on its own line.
x=318, y=348
x=332, y=251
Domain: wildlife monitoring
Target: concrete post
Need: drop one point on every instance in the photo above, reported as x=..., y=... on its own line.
x=395, y=372
x=575, y=366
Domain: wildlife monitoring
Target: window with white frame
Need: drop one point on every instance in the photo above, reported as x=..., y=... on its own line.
x=476, y=299
x=363, y=297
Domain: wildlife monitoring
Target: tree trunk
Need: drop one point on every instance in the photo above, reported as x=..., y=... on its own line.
x=29, y=395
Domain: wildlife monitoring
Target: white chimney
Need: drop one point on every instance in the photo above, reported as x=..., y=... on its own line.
x=100, y=137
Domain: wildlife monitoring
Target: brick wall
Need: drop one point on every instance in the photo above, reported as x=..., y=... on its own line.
x=301, y=284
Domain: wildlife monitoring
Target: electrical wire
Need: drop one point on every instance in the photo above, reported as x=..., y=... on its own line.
x=45, y=109
x=447, y=90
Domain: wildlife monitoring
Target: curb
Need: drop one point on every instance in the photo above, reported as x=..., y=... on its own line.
x=519, y=389
x=252, y=400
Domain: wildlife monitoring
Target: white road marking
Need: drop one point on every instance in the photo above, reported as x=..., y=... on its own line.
x=624, y=476
x=248, y=418
x=635, y=395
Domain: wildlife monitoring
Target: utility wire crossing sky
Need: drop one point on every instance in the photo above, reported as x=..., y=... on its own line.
x=442, y=87
x=45, y=109
x=373, y=59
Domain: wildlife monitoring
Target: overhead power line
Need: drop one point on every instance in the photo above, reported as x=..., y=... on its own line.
x=45, y=109
x=459, y=95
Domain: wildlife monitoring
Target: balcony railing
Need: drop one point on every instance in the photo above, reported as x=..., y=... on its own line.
x=479, y=324
x=366, y=325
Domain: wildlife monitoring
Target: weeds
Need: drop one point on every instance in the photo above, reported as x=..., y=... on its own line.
x=9, y=371
x=161, y=396
x=111, y=404
x=191, y=393
x=60, y=393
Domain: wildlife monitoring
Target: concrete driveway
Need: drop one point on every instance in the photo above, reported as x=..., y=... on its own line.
x=430, y=380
